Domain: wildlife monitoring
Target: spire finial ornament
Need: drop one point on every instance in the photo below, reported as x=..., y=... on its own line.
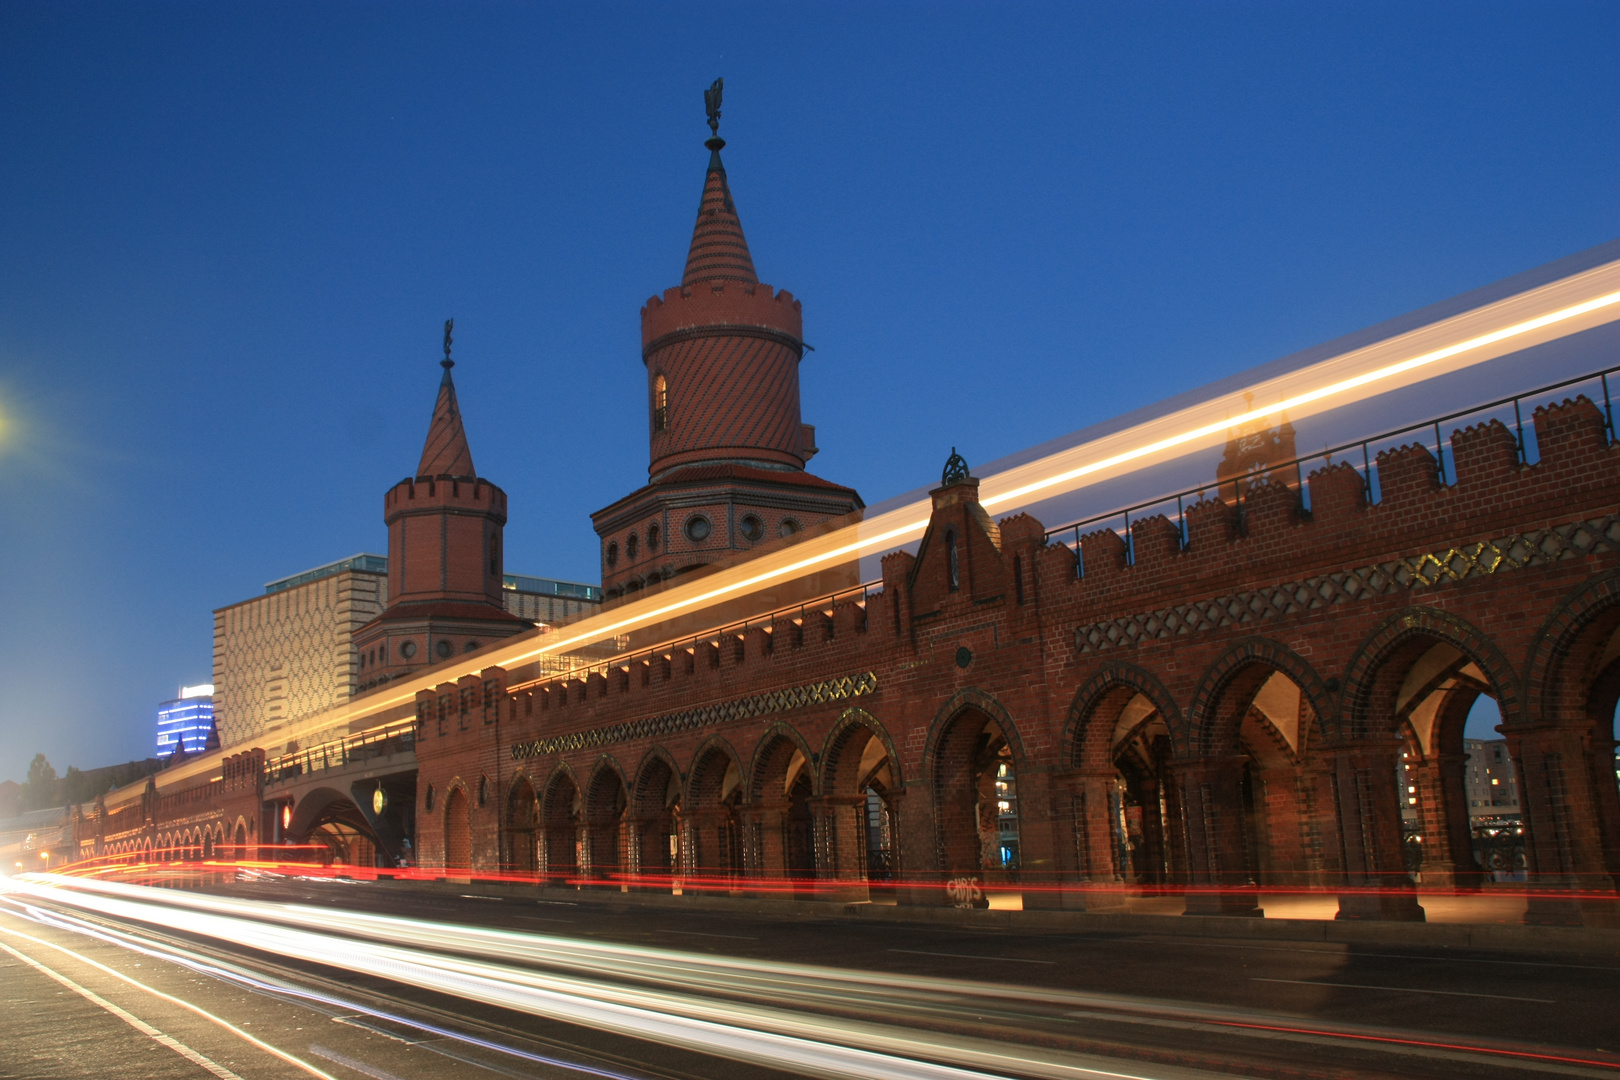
x=711, y=102
x=447, y=363
x=956, y=470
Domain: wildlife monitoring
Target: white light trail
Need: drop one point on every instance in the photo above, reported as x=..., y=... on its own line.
x=1559, y=308
x=822, y=1046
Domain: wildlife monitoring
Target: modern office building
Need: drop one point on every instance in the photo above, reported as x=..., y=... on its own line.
x=186, y=722
x=291, y=653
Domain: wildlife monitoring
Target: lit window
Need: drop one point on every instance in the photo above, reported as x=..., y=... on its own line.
x=660, y=404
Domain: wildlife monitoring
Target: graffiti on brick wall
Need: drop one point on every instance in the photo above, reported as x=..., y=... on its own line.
x=847, y=686
x=1430, y=569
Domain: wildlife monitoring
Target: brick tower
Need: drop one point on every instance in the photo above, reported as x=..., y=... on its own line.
x=444, y=556
x=728, y=449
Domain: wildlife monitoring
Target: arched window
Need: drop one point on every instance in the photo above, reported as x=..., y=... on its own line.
x=630, y=546
x=950, y=559
x=652, y=537
x=613, y=553
x=660, y=403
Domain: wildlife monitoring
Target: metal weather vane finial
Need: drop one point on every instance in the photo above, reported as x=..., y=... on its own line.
x=956, y=470
x=447, y=363
x=711, y=102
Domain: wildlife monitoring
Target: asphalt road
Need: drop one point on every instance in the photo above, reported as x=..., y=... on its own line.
x=1166, y=1006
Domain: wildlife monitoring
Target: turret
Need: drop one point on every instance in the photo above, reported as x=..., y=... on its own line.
x=444, y=555
x=727, y=445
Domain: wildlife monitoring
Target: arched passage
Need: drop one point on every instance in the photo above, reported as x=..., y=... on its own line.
x=328, y=818
x=656, y=816
x=715, y=790
x=781, y=820
x=860, y=787
x=1250, y=806
x=1565, y=744
x=560, y=852
x=605, y=805
x=1120, y=733
x=975, y=779
x=522, y=817
x=1408, y=693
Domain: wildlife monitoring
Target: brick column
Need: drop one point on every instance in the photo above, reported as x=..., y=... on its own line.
x=1448, y=848
x=1375, y=884
x=1217, y=873
x=840, y=848
x=1571, y=823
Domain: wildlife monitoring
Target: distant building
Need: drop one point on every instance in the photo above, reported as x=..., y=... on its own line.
x=187, y=721
x=1491, y=784
x=291, y=653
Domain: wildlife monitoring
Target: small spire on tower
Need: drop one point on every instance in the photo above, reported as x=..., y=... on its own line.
x=719, y=251
x=446, y=452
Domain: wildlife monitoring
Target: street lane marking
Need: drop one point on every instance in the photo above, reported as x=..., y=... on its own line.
x=1405, y=990
x=542, y=918
x=971, y=956
x=475, y=896
x=133, y=1021
x=695, y=933
x=204, y=1013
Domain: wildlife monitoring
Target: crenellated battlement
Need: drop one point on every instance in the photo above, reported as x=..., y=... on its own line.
x=423, y=493
x=1274, y=536
x=720, y=304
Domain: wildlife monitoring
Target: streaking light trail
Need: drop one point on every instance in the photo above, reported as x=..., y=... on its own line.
x=1563, y=307
x=806, y=1017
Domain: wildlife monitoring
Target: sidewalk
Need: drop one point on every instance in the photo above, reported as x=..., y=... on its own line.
x=1478, y=922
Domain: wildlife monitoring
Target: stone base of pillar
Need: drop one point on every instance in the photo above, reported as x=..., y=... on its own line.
x=1238, y=903
x=1554, y=908
x=1381, y=905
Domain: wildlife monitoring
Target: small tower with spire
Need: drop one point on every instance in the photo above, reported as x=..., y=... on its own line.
x=728, y=448
x=444, y=555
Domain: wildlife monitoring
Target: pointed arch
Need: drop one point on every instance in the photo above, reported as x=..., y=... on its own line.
x=837, y=741
x=1588, y=613
x=767, y=748
x=699, y=779
x=971, y=697
x=1211, y=722
x=1371, y=680
x=1082, y=745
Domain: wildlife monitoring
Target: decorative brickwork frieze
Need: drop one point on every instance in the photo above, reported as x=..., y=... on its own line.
x=1428, y=570
x=819, y=693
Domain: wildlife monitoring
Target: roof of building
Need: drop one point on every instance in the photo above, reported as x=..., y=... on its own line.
x=719, y=251
x=446, y=452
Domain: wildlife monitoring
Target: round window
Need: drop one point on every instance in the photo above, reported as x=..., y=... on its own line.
x=752, y=528
x=407, y=649
x=698, y=529
x=444, y=648
x=471, y=646
x=788, y=527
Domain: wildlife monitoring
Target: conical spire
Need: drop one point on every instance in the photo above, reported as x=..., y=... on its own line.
x=719, y=250
x=446, y=452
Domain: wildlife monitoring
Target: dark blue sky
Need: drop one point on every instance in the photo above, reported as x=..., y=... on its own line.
x=229, y=235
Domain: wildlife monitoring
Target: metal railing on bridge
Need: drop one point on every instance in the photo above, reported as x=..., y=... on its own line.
x=380, y=742
x=1234, y=488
